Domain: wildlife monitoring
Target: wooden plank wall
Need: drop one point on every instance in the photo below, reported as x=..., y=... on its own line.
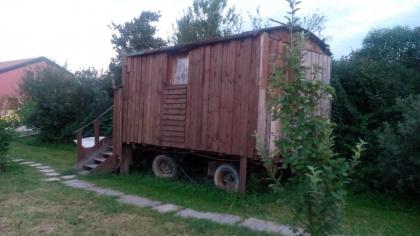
x=222, y=95
x=312, y=56
x=222, y=98
x=142, y=94
x=312, y=59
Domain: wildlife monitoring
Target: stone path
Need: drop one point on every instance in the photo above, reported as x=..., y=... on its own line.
x=226, y=219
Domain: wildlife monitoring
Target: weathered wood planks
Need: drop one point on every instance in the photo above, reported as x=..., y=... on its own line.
x=222, y=105
x=173, y=116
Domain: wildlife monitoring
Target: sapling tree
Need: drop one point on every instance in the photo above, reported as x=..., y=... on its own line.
x=304, y=142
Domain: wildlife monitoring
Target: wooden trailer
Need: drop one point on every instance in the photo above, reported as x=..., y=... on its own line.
x=206, y=98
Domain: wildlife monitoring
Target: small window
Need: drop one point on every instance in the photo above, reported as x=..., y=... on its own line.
x=180, y=70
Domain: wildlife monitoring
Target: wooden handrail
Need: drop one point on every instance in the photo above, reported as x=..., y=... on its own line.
x=83, y=152
x=96, y=119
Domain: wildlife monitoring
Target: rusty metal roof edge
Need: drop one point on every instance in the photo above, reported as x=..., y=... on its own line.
x=188, y=46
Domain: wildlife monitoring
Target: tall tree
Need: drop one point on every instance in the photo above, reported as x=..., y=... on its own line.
x=135, y=35
x=316, y=23
x=257, y=21
x=207, y=19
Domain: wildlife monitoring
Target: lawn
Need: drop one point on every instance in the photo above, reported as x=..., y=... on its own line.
x=366, y=214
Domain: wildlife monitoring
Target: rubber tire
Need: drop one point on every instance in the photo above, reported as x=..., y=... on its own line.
x=218, y=177
x=158, y=172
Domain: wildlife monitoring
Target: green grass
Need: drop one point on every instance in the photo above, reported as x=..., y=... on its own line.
x=29, y=206
x=366, y=214
x=61, y=156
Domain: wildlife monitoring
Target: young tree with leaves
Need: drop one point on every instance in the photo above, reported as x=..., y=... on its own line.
x=207, y=19
x=305, y=144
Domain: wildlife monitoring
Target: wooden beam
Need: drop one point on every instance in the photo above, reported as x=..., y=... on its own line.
x=80, y=151
x=262, y=84
x=96, y=130
x=127, y=155
x=242, y=175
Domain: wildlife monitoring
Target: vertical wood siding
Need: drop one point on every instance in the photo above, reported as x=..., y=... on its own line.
x=143, y=86
x=222, y=98
x=312, y=57
x=223, y=104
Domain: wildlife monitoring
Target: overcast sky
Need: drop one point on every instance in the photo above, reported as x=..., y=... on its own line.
x=76, y=32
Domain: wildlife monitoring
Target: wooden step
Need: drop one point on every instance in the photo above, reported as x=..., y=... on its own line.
x=108, y=154
x=100, y=159
x=90, y=166
x=83, y=172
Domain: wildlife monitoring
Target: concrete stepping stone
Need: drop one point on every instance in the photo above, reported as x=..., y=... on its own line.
x=138, y=201
x=215, y=217
x=51, y=179
x=47, y=171
x=250, y=223
x=27, y=162
x=76, y=183
x=68, y=177
x=105, y=191
x=43, y=167
x=166, y=208
x=35, y=165
x=268, y=226
x=51, y=174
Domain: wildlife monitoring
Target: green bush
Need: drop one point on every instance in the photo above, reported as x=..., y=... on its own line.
x=399, y=165
x=57, y=103
x=368, y=84
x=6, y=131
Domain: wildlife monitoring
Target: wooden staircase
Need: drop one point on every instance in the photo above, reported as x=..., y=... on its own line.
x=98, y=158
x=99, y=161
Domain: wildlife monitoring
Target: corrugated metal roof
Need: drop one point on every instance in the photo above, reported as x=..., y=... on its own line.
x=188, y=46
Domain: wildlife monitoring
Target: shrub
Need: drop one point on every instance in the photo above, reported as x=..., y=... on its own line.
x=6, y=129
x=368, y=84
x=398, y=167
x=57, y=103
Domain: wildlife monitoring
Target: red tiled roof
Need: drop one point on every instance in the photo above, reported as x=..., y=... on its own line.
x=12, y=72
x=6, y=64
x=11, y=65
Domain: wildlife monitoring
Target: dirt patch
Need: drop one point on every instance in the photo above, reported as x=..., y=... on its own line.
x=3, y=227
x=118, y=218
x=45, y=228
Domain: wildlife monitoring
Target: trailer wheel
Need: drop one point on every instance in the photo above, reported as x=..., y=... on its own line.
x=226, y=177
x=164, y=166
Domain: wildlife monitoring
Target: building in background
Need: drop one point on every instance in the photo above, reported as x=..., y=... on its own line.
x=11, y=75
